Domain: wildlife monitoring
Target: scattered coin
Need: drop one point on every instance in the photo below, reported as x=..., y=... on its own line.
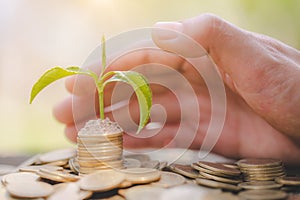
x=141, y=175
x=36, y=168
x=131, y=163
x=64, y=176
x=262, y=194
x=288, y=181
x=29, y=189
x=185, y=170
x=58, y=155
x=143, y=193
x=59, y=163
x=169, y=179
x=102, y=180
x=19, y=177
x=218, y=167
x=154, y=164
x=219, y=178
x=216, y=184
x=66, y=191
x=260, y=185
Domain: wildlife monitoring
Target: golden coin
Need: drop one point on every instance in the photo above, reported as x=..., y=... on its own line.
x=220, y=179
x=259, y=163
x=208, y=171
x=131, y=163
x=58, y=163
x=288, y=180
x=154, y=164
x=62, y=174
x=141, y=175
x=29, y=189
x=143, y=193
x=262, y=194
x=169, y=179
x=218, y=167
x=102, y=180
x=36, y=168
x=19, y=177
x=61, y=154
x=65, y=191
x=52, y=177
x=184, y=170
x=260, y=185
x=216, y=184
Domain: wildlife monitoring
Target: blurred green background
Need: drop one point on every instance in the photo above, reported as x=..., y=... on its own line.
x=38, y=34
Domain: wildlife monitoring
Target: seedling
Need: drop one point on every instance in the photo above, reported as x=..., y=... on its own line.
x=135, y=79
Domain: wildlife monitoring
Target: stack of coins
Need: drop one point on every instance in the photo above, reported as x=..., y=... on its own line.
x=261, y=169
x=217, y=175
x=99, y=146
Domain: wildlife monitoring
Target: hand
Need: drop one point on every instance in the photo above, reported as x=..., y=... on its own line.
x=262, y=78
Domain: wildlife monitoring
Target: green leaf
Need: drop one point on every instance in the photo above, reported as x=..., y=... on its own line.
x=53, y=75
x=141, y=88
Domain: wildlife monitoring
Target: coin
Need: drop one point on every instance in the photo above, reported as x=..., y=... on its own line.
x=289, y=181
x=65, y=191
x=36, y=168
x=143, y=193
x=102, y=180
x=258, y=163
x=169, y=179
x=262, y=194
x=220, y=179
x=19, y=177
x=141, y=175
x=208, y=171
x=260, y=185
x=216, y=184
x=58, y=162
x=184, y=170
x=154, y=164
x=131, y=163
x=61, y=154
x=218, y=167
x=66, y=176
x=29, y=189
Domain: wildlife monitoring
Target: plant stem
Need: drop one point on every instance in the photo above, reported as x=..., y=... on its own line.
x=101, y=99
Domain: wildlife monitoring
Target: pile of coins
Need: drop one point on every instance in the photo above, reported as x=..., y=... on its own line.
x=99, y=146
x=218, y=175
x=56, y=175
x=261, y=169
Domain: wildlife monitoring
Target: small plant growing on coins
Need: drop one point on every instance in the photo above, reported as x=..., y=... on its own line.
x=135, y=79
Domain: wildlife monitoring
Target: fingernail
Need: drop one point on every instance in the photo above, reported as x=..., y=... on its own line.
x=167, y=30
